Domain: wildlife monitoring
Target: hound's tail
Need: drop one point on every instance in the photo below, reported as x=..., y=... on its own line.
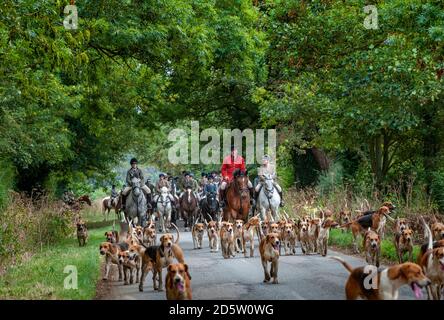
x=178, y=233
x=345, y=264
x=427, y=235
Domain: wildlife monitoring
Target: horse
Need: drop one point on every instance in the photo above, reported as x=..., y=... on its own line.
x=84, y=199
x=107, y=205
x=77, y=204
x=238, y=198
x=188, y=207
x=268, y=199
x=136, y=204
x=164, y=208
x=209, y=206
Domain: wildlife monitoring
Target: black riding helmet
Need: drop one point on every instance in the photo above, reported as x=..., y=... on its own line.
x=162, y=175
x=133, y=160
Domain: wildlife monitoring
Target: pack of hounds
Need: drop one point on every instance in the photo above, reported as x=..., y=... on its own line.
x=137, y=251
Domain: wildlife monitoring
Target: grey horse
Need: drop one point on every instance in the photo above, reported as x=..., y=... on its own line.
x=268, y=199
x=164, y=208
x=136, y=205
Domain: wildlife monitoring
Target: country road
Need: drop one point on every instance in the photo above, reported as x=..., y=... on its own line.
x=213, y=277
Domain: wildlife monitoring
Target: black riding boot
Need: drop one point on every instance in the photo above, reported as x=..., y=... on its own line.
x=252, y=197
x=222, y=197
x=282, y=199
x=123, y=202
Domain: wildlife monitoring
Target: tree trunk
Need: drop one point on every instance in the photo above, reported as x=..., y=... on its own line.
x=380, y=158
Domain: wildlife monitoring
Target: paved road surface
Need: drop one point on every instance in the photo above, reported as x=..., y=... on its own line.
x=213, y=277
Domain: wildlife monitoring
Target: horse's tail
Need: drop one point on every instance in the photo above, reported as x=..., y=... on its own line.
x=178, y=233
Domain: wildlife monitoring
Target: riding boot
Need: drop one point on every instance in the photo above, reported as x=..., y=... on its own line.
x=123, y=202
x=252, y=197
x=282, y=199
x=222, y=197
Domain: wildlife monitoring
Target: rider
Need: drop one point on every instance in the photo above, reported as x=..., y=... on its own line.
x=181, y=179
x=149, y=184
x=190, y=183
x=268, y=169
x=210, y=187
x=203, y=181
x=114, y=194
x=133, y=172
x=163, y=182
x=231, y=163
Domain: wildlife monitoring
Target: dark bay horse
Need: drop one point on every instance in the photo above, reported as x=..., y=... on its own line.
x=238, y=198
x=188, y=208
x=209, y=207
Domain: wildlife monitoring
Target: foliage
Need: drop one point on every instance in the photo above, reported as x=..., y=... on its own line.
x=46, y=223
x=42, y=277
x=342, y=87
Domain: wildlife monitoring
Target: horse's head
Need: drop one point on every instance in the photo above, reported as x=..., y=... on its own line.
x=164, y=190
x=241, y=181
x=85, y=198
x=268, y=182
x=212, y=200
x=135, y=185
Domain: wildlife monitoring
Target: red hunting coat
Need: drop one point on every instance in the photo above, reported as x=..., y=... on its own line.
x=229, y=165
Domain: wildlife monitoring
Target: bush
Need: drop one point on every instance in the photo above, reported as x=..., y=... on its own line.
x=26, y=226
x=437, y=188
x=331, y=179
x=285, y=176
x=6, y=181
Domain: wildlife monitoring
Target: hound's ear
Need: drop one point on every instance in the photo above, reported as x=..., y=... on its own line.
x=187, y=270
x=161, y=238
x=170, y=267
x=105, y=233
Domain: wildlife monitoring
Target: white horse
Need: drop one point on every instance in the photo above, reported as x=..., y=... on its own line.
x=268, y=199
x=164, y=208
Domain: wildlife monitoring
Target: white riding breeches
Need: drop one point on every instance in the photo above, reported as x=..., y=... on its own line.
x=128, y=189
x=278, y=187
x=224, y=184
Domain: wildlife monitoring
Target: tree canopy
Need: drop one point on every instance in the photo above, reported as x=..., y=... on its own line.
x=73, y=103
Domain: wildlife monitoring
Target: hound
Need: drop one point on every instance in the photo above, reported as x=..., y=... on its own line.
x=387, y=281
x=248, y=230
x=269, y=250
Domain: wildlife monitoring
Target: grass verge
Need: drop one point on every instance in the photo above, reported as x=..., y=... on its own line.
x=42, y=276
x=344, y=240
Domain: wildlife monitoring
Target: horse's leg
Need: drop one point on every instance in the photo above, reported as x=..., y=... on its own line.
x=169, y=217
x=161, y=221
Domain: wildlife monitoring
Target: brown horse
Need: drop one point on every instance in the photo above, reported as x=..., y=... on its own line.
x=84, y=199
x=188, y=208
x=238, y=199
x=77, y=205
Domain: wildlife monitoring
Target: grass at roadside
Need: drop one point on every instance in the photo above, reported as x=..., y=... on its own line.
x=388, y=251
x=42, y=276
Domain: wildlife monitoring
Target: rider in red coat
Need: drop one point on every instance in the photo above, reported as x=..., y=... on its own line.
x=231, y=163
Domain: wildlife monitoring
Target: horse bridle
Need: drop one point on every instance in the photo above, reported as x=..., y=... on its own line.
x=268, y=192
x=240, y=190
x=164, y=203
